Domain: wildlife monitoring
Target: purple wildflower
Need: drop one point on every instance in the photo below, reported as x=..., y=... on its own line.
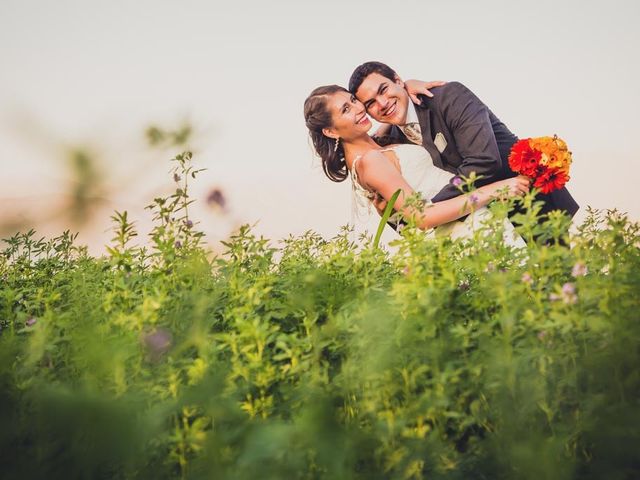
x=216, y=198
x=188, y=224
x=31, y=321
x=157, y=343
x=569, y=293
x=178, y=244
x=457, y=181
x=542, y=335
x=527, y=278
x=568, y=288
x=579, y=270
x=473, y=198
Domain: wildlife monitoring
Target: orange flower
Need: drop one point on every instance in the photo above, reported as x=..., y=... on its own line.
x=556, y=153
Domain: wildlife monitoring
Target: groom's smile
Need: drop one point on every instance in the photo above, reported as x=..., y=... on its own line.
x=390, y=110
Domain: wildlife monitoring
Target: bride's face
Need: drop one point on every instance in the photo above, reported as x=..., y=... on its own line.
x=348, y=115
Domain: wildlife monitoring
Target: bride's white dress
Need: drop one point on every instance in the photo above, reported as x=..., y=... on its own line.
x=419, y=171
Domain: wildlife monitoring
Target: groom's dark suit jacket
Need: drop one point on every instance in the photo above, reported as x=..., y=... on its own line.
x=476, y=140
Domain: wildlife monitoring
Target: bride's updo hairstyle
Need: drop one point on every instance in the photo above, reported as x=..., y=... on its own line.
x=317, y=116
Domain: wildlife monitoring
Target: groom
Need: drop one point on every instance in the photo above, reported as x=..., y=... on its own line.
x=457, y=129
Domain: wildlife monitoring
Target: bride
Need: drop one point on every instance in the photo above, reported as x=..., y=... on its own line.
x=338, y=126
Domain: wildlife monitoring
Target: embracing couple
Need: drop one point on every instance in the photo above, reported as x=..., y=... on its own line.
x=436, y=138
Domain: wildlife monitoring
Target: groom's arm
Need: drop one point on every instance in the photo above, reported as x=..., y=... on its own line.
x=467, y=119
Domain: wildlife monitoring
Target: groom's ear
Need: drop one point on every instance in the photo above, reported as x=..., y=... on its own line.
x=399, y=81
x=328, y=132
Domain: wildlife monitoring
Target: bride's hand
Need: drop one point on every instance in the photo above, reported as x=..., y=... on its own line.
x=380, y=203
x=512, y=187
x=418, y=87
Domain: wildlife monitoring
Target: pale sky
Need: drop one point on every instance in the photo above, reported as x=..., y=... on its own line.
x=96, y=74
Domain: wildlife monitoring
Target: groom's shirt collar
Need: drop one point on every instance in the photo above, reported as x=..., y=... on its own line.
x=412, y=114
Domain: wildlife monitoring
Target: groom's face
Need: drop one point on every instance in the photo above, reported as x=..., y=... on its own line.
x=386, y=100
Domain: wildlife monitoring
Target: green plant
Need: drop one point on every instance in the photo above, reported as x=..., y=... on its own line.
x=322, y=358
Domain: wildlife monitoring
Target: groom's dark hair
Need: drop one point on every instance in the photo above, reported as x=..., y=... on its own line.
x=366, y=69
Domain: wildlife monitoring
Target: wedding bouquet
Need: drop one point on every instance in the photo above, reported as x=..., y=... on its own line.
x=545, y=159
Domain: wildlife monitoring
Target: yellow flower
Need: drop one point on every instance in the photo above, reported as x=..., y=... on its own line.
x=544, y=159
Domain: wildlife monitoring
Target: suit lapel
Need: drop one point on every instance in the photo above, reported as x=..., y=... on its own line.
x=424, y=116
x=396, y=136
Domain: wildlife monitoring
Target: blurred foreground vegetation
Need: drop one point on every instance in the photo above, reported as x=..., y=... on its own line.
x=322, y=358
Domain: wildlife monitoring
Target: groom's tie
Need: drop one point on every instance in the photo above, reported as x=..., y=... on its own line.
x=412, y=132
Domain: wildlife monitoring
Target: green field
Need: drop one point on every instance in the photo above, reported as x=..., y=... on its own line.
x=322, y=358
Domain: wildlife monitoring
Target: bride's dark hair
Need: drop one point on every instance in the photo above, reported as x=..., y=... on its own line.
x=317, y=116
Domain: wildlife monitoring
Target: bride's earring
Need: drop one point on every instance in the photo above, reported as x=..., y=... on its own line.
x=335, y=148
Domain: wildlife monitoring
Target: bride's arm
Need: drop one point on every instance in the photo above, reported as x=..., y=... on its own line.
x=377, y=172
x=419, y=87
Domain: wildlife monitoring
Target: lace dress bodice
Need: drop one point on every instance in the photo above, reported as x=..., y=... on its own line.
x=415, y=166
x=424, y=177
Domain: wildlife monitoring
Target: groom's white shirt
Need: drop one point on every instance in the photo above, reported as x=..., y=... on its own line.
x=412, y=115
x=412, y=119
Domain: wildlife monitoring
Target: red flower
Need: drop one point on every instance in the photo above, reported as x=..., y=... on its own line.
x=551, y=179
x=523, y=159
